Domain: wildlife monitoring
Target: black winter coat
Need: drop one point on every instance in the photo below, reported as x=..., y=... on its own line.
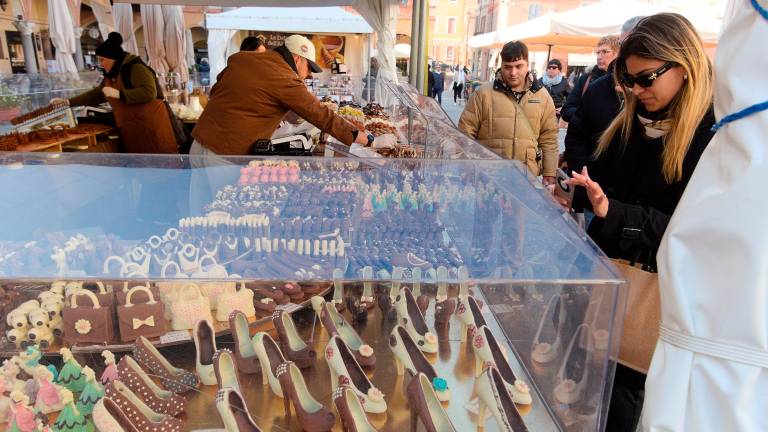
x=641, y=201
x=572, y=103
x=558, y=92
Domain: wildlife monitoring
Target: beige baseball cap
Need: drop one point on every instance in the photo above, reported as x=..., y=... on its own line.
x=302, y=47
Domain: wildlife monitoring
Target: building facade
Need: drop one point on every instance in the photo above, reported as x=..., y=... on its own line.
x=450, y=22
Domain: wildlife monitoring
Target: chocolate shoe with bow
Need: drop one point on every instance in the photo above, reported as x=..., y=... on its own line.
x=293, y=346
x=158, y=399
x=140, y=415
x=174, y=379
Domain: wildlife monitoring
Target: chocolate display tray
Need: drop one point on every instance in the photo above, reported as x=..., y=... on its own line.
x=454, y=362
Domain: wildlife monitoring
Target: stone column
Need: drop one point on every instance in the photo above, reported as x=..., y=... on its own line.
x=30, y=56
x=79, y=49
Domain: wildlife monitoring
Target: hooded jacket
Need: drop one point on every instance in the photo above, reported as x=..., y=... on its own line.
x=525, y=130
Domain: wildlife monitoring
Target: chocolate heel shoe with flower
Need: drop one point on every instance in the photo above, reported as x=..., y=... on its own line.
x=493, y=395
x=408, y=356
x=336, y=325
x=351, y=412
x=574, y=372
x=247, y=360
x=158, y=399
x=174, y=379
x=425, y=406
x=205, y=348
x=488, y=352
x=140, y=415
x=270, y=357
x=293, y=346
x=548, y=340
x=410, y=317
x=313, y=416
x=468, y=312
x=233, y=411
x=225, y=367
x=345, y=370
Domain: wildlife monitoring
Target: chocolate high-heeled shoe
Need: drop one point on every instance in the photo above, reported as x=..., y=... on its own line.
x=468, y=312
x=336, y=325
x=444, y=306
x=174, y=379
x=548, y=340
x=351, y=412
x=205, y=347
x=410, y=317
x=345, y=370
x=247, y=360
x=574, y=372
x=293, y=346
x=270, y=357
x=425, y=406
x=225, y=367
x=492, y=393
x=338, y=290
x=489, y=352
x=233, y=411
x=108, y=417
x=158, y=399
x=408, y=356
x=313, y=416
x=138, y=412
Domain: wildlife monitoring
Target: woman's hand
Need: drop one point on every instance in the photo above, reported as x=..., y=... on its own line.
x=594, y=192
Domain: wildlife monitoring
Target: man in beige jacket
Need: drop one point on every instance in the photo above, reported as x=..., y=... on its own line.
x=515, y=116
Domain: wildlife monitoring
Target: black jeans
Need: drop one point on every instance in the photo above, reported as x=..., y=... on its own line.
x=457, y=92
x=626, y=400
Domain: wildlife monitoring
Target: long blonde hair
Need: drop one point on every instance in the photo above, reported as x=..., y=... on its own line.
x=670, y=38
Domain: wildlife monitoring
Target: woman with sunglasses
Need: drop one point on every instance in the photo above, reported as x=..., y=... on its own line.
x=653, y=146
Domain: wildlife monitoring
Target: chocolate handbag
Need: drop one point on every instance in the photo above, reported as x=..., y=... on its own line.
x=140, y=319
x=189, y=306
x=88, y=324
x=105, y=293
x=235, y=299
x=122, y=294
x=212, y=290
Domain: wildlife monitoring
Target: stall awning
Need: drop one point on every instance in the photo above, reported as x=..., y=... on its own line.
x=286, y=19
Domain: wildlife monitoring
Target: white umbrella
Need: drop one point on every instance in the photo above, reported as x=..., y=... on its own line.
x=402, y=51
x=123, y=15
x=174, y=38
x=154, y=29
x=62, y=33
x=382, y=16
x=710, y=368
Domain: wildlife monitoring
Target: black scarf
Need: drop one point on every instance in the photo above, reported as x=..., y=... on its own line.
x=500, y=85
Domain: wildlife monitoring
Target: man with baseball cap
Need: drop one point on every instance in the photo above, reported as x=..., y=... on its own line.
x=253, y=94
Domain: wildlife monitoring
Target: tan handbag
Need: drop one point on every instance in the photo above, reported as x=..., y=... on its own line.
x=140, y=319
x=88, y=324
x=642, y=318
x=235, y=299
x=167, y=289
x=188, y=307
x=212, y=290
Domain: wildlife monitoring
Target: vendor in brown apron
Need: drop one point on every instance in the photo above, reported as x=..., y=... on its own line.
x=131, y=88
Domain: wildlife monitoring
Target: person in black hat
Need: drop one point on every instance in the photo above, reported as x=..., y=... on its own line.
x=556, y=84
x=131, y=88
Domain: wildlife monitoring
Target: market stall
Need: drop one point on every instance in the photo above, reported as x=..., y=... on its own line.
x=339, y=36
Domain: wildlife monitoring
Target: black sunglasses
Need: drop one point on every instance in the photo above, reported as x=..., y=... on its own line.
x=645, y=80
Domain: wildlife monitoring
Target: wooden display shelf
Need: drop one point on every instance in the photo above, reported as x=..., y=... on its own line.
x=76, y=141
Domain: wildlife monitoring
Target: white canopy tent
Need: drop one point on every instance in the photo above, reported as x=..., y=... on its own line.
x=579, y=27
x=710, y=368
x=123, y=14
x=224, y=27
x=153, y=24
x=174, y=39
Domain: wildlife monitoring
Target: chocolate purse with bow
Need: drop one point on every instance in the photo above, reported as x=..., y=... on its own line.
x=140, y=319
x=87, y=323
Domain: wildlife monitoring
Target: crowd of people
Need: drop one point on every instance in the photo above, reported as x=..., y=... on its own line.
x=437, y=79
x=638, y=122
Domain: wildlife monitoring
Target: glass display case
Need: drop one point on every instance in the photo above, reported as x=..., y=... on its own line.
x=494, y=271
x=20, y=93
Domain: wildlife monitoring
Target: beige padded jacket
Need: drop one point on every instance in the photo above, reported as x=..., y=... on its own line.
x=514, y=130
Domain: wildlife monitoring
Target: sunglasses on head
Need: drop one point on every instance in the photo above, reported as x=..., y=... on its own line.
x=645, y=80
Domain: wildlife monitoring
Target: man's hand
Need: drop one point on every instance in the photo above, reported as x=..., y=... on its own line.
x=110, y=92
x=386, y=141
x=58, y=100
x=594, y=192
